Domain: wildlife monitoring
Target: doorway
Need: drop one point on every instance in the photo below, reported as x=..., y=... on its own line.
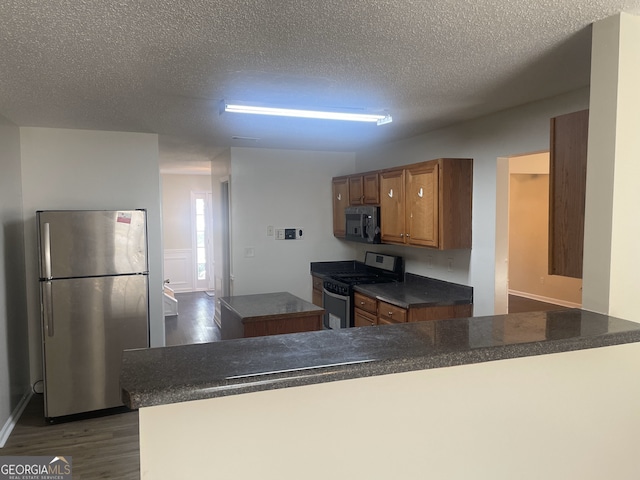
x=522, y=219
x=186, y=231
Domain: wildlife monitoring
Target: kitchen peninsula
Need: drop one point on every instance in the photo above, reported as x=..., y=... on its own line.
x=460, y=398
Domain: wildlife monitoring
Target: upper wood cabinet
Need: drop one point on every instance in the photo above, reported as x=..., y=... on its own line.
x=340, y=191
x=428, y=204
x=364, y=189
x=392, y=206
x=422, y=204
x=567, y=187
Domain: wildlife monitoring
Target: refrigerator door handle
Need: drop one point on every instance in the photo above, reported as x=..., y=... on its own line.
x=48, y=308
x=46, y=251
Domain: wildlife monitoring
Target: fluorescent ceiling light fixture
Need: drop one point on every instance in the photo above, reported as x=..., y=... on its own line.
x=380, y=119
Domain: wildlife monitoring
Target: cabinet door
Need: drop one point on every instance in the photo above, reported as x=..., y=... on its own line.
x=363, y=319
x=567, y=186
x=317, y=291
x=388, y=313
x=340, y=202
x=422, y=205
x=356, y=195
x=371, y=189
x=365, y=303
x=392, y=206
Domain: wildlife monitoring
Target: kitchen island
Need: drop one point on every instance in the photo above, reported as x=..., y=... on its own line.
x=461, y=398
x=267, y=314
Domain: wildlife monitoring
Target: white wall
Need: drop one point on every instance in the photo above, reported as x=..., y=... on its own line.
x=84, y=169
x=566, y=416
x=511, y=132
x=177, y=225
x=612, y=224
x=283, y=188
x=14, y=341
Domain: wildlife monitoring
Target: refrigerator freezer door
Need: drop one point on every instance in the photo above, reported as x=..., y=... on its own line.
x=93, y=321
x=92, y=243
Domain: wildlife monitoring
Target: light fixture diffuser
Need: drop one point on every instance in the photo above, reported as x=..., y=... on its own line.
x=236, y=107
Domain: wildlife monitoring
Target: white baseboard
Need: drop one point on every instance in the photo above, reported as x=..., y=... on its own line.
x=540, y=298
x=14, y=417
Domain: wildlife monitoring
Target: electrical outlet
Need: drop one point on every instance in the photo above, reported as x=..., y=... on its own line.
x=429, y=261
x=450, y=264
x=270, y=231
x=280, y=234
x=249, y=252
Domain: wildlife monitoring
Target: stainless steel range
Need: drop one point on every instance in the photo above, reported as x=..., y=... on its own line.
x=337, y=293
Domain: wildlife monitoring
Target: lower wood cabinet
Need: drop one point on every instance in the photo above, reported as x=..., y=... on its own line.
x=316, y=294
x=421, y=314
x=388, y=313
x=365, y=310
x=362, y=318
x=369, y=311
x=365, y=303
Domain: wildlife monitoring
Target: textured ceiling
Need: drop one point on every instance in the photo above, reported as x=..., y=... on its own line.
x=163, y=66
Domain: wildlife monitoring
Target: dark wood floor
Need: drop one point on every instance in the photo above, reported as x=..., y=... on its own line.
x=522, y=304
x=107, y=446
x=102, y=447
x=194, y=322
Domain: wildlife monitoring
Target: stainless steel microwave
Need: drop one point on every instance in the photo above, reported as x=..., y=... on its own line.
x=363, y=224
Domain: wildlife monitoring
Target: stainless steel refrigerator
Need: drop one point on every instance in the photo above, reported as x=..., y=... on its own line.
x=94, y=303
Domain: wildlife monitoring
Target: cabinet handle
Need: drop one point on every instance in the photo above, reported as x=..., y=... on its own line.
x=361, y=303
x=402, y=235
x=339, y=197
x=390, y=313
x=420, y=193
x=390, y=193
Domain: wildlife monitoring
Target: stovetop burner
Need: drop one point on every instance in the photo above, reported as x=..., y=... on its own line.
x=341, y=283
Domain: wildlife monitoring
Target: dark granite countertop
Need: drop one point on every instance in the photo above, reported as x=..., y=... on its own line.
x=265, y=305
x=417, y=291
x=158, y=376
